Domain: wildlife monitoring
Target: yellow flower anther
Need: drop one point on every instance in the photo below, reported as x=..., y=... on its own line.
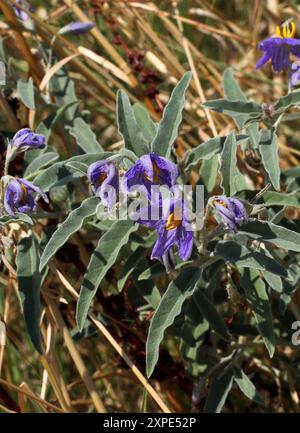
x=100, y=179
x=156, y=172
x=172, y=223
x=286, y=31
x=25, y=192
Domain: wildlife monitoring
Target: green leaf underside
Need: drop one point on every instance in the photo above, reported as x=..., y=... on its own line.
x=72, y=223
x=210, y=313
x=256, y=295
x=128, y=127
x=26, y=93
x=101, y=260
x=268, y=232
x=167, y=130
x=29, y=281
x=169, y=308
x=243, y=257
x=268, y=147
x=228, y=168
x=85, y=137
x=219, y=390
x=208, y=149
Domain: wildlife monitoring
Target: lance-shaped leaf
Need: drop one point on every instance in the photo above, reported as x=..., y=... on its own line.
x=85, y=137
x=246, y=386
x=26, y=93
x=219, y=390
x=268, y=148
x=228, y=166
x=209, y=172
x=266, y=231
x=168, y=309
x=60, y=174
x=256, y=295
x=29, y=281
x=46, y=126
x=210, y=313
x=273, y=198
x=144, y=121
x=233, y=108
x=18, y=217
x=101, y=260
x=208, y=149
x=233, y=92
x=243, y=257
x=72, y=223
x=167, y=130
x=41, y=161
x=128, y=127
x=285, y=102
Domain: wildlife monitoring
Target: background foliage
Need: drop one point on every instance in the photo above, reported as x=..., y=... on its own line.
x=230, y=347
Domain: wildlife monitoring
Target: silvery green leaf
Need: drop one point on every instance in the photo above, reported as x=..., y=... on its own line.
x=219, y=390
x=26, y=93
x=210, y=313
x=228, y=168
x=246, y=386
x=169, y=308
x=256, y=295
x=71, y=225
x=85, y=137
x=101, y=260
x=266, y=231
x=60, y=174
x=167, y=130
x=143, y=119
x=268, y=148
x=29, y=281
x=208, y=149
x=244, y=257
x=128, y=127
x=40, y=162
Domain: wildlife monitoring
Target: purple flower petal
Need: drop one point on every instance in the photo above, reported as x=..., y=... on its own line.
x=105, y=181
x=18, y=195
x=27, y=139
x=77, y=28
x=264, y=58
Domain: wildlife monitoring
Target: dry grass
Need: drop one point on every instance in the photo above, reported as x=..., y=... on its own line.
x=106, y=374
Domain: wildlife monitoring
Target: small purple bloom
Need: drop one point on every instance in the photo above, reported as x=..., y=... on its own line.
x=150, y=170
x=77, y=28
x=231, y=211
x=27, y=139
x=19, y=195
x=104, y=179
x=172, y=230
x=23, y=16
x=295, y=78
x=278, y=48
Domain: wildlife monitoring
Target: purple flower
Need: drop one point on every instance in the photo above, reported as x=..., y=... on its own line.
x=295, y=78
x=278, y=48
x=27, y=139
x=77, y=28
x=23, y=16
x=172, y=230
x=19, y=195
x=104, y=178
x=231, y=211
x=150, y=170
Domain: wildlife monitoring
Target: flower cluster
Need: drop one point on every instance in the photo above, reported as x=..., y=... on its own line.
x=167, y=216
x=19, y=194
